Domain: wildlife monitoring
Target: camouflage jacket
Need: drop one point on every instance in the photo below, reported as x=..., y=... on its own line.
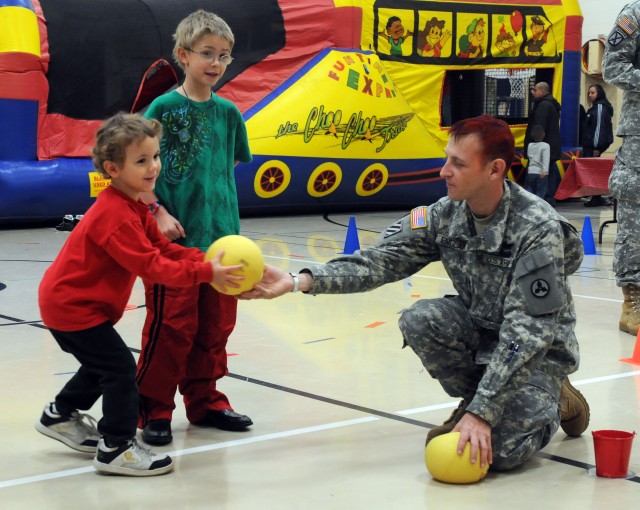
x=621, y=66
x=513, y=279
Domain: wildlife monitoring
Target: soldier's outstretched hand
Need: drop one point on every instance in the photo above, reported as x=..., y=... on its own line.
x=274, y=283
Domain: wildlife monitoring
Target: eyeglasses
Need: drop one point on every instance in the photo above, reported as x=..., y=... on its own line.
x=211, y=57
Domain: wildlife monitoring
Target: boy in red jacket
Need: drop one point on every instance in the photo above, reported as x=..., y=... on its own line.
x=85, y=291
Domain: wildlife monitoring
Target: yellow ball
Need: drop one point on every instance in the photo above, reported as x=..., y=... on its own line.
x=444, y=463
x=239, y=250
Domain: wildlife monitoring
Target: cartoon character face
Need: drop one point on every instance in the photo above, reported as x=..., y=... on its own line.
x=434, y=35
x=506, y=44
x=477, y=36
x=536, y=30
x=396, y=30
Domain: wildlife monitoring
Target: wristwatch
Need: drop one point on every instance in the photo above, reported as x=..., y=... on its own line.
x=154, y=206
x=296, y=282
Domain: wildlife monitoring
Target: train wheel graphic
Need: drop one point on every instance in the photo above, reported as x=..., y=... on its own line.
x=275, y=250
x=372, y=180
x=324, y=180
x=322, y=248
x=272, y=178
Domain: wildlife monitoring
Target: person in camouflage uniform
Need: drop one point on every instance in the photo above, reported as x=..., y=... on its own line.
x=506, y=343
x=621, y=67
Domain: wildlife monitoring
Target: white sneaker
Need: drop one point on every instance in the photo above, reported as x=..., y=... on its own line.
x=78, y=431
x=131, y=459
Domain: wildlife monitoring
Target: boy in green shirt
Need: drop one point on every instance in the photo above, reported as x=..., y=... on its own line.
x=195, y=202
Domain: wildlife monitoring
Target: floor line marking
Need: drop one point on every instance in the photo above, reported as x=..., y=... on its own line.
x=306, y=430
x=196, y=449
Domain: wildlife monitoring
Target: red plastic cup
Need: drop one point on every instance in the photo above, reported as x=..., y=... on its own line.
x=613, y=450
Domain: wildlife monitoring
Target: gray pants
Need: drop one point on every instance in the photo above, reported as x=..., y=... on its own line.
x=624, y=185
x=441, y=332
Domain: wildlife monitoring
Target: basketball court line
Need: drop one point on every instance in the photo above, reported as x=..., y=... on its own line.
x=378, y=415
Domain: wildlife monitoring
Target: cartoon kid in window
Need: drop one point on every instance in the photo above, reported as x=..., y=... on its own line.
x=471, y=43
x=505, y=43
x=533, y=46
x=395, y=35
x=435, y=37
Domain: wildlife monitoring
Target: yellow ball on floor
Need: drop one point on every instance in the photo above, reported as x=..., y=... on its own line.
x=239, y=250
x=444, y=463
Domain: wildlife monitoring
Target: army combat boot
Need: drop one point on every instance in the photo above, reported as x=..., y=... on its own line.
x=450, y=423
x=630, y=318
x=574, y=410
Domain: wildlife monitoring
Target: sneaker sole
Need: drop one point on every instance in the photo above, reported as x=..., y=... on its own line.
x=64, y=439
x=108, y=469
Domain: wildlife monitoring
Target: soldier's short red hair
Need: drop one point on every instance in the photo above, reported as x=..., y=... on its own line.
x=494, y=134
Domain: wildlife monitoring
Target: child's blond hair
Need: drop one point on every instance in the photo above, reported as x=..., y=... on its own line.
x=117, y=133
x=195, y=26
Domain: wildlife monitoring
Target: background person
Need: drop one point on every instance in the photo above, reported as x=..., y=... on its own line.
x=545, y=112
x=538, y=163
x=597, y=134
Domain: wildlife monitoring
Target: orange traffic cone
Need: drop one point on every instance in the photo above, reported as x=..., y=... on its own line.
x=635, y=357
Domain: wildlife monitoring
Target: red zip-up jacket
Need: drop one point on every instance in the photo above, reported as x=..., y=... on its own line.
x=90, y=280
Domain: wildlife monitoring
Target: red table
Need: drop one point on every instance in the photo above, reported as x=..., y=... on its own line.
x=585, y=177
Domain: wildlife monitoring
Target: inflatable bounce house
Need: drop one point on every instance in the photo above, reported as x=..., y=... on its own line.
x=347, y=103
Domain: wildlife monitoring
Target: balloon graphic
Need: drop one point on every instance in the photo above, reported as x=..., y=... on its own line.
x=516, y=21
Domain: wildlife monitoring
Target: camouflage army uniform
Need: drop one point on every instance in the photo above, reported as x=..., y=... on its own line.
x=512, y=290
x=621, y=67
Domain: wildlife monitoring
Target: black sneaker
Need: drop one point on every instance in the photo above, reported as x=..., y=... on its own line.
x=131, y=459
x=68, y=222
x=77, y=431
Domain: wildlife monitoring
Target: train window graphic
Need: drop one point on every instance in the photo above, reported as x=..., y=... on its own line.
x=347, y=103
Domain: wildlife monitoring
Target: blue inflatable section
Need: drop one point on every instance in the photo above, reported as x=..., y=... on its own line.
x=18, y=125
x=569, y=115
x=42, y=190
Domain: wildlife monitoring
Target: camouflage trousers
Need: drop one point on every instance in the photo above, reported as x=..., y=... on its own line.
x=443, y=335
x=624, y=185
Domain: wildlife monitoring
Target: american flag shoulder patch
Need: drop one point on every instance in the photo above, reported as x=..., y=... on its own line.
x=628, y=26
x=419, y=217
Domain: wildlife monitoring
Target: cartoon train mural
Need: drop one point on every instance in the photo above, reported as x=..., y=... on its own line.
x=347, y=103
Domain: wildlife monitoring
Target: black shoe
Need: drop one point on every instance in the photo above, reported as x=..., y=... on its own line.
x=157, y=432
x=69, y=222
x=596, y=201
x=225, y=420
x=67, y=225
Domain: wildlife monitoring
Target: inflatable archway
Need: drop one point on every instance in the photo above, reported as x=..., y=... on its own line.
x=347, y=103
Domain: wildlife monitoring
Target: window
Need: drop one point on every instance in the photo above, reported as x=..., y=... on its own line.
x=502, y=92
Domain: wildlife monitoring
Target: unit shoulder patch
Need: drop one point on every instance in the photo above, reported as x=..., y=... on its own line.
x=616, y=37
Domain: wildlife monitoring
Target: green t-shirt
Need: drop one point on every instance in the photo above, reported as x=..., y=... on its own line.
x=200, y=143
